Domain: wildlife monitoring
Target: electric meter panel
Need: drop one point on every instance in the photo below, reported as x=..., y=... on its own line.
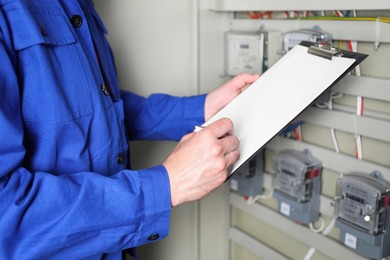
x=363, y=213
x=297, y=185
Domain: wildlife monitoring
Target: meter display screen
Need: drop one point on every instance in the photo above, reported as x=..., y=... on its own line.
x=290, y=177
x=244, y=46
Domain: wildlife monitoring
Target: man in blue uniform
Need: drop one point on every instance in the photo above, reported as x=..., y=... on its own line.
x=66, y=190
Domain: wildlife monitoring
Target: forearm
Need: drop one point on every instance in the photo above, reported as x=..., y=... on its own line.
x=162, y=117
x=82, y=214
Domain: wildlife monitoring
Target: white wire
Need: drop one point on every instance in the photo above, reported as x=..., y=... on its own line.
x=252, y=199
x=267, y=196
x=377, y=33
x=322, y=105
x=337, y=95
x=299, y=128
x=332, y=130
x=359, y=148
x=318, y=230
x=309, y=253
x=329, y=227
x=330, y=102
x=334, y=139
x=359, y=105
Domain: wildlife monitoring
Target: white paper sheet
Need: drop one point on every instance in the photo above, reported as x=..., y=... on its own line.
x=278, y=96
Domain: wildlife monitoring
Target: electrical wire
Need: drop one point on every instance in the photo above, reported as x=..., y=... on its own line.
x=312, y=250
x=267, y=196
x=252, y=199
x=334, y=140
x=332, y=130
x=318, y=230
x=259, y=15
x=298, y=133
x=352, y=46
x=343, y=18
x=305, y=15
x=329, y=227
x=309, y=253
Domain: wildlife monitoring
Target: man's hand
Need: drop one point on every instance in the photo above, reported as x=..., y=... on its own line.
x=200, y=161
x=218, y=98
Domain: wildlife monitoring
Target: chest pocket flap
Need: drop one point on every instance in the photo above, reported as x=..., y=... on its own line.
x=44, y=26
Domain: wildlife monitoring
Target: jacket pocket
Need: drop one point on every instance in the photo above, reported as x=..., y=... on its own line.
x=31, y=26
x=52, y=70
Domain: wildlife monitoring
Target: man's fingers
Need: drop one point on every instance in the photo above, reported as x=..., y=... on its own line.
x=220, y=128
x=230, y=143
x=244, y=80
x=232, y=157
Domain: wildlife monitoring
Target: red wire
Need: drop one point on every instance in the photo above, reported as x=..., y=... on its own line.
x=350, y=45
x=297, y=135
x=356, y=151
x=254, y=15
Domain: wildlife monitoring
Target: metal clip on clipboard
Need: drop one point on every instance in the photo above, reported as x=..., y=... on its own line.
x=326, y=51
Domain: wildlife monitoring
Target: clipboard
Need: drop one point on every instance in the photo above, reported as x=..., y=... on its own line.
x=283, y=92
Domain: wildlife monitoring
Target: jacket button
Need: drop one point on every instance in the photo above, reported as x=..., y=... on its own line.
x=120, y=158
x=43, y=31
x=105, y=90
x=76, y=20
x=154, y=237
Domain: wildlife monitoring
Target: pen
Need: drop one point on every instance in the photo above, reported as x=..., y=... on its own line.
x=198, y=128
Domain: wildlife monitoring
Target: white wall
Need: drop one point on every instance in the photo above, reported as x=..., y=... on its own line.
x=153, y=44
x=155, y=50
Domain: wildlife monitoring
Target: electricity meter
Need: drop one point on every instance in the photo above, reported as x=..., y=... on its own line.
x=297, y=185
x=244, y=52
x=362, y=212
x=248, y=180
x=292, y=38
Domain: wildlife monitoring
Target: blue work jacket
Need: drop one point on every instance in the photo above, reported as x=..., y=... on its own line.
x=65, y=189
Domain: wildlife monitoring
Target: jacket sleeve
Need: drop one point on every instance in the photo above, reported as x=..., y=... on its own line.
x=161, y=116
x=79, y=215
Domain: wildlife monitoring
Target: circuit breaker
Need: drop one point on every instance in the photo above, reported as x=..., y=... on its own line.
x=297, y=185
x=248, y=180
x=362, y=212
x=244, y=52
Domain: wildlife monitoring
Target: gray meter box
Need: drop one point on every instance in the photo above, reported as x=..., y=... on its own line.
x=362, y=213
x=248, y=180
x=297, y=185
